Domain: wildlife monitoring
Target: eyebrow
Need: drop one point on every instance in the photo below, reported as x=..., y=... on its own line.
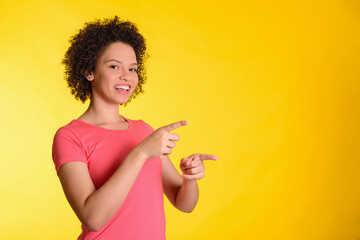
x=119, y=61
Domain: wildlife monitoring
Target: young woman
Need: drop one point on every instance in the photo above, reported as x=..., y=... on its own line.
x=114, y=170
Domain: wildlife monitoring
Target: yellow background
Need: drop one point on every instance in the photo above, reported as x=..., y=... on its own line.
x=271, y=87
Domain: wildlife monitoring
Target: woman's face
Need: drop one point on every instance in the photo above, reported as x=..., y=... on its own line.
x=115, y=76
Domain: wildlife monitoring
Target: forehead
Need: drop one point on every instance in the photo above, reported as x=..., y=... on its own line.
x=119, y=51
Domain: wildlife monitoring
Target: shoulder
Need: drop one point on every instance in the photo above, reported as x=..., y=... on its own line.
x=67, y=131
x=140, y=124
x=67, y=146
x=146, y=125
x=74, y=133
x=65, y=136
x=76, y=128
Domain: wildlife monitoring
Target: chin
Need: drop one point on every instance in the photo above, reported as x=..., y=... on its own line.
x=123, y=102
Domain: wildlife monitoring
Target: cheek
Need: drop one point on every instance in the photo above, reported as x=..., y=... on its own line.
x=104, y=76
x=136, y=79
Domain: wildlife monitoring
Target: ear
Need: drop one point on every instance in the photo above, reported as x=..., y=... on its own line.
x=89, y=76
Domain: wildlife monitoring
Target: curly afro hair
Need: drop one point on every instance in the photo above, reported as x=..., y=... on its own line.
x=88, y=45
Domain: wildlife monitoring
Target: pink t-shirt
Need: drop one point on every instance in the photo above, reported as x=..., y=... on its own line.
x=141, y=216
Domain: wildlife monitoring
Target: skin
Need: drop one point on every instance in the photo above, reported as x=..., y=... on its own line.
x=117, y=65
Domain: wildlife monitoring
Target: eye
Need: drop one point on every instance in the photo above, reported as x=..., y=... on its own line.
x=133, y=70
x=114, y=67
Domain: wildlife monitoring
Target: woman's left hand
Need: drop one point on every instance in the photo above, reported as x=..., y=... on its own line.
x=193, y=166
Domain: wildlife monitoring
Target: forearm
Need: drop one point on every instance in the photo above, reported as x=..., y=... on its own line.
x=101, y=205
x=187, y=196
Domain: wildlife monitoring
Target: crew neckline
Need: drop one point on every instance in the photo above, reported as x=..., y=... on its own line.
x=108, y=129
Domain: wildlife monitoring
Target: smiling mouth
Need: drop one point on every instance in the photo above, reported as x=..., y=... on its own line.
x=127, y=88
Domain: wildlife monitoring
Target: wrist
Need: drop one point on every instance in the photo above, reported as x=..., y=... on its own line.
x=189, y=181
x=138, y=154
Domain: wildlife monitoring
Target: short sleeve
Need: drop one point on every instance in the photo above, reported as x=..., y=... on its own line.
x=67, y=148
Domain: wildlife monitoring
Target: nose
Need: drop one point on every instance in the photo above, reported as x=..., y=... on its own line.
x=124, y=74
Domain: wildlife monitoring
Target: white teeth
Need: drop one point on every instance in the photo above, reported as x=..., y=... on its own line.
x=123, y=87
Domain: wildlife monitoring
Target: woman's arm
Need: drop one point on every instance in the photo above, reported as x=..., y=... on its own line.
x=94, y=207
x=183, y=194
x=182, y=191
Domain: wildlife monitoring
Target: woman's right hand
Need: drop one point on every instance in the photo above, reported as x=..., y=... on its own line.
x=161, y=141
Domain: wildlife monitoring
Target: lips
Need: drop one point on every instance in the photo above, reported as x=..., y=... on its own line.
x=125, y=87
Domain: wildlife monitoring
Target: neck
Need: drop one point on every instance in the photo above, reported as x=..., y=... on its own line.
x=101, y=113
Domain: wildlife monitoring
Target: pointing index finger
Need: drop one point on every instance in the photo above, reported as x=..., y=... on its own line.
x=175, y=125
x=206, y=157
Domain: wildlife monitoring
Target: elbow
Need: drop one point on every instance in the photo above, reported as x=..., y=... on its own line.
x=185, y=207
x=93, y=224
x=189, y=210
x=91, y=227
x=93, y=219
